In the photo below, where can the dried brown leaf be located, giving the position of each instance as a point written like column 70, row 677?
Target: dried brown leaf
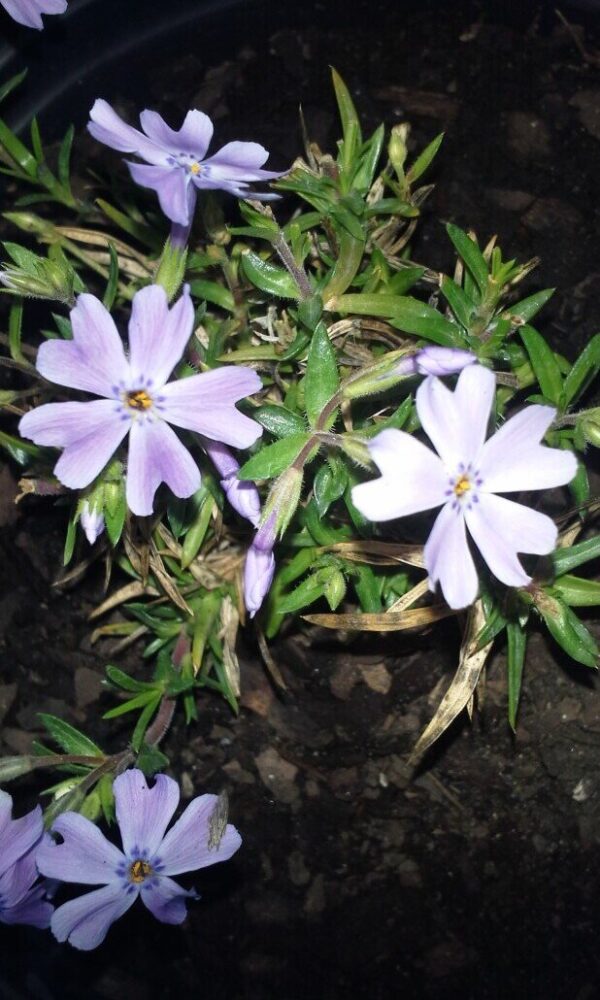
column 386, row 622
column 462, row 686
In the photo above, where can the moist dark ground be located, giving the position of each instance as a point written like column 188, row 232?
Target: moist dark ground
column 479, row 878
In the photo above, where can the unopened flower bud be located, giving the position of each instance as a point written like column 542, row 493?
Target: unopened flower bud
column 241, row 494
column 397, row 148
column 434, row 360
column 92, row 522
column 259, row 567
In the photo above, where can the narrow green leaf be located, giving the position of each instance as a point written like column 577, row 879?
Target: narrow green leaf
column 569, row 632
column 424, row 159
column 322, row 378
column 211, row 291
column 458, row 301
column 17, row 151
column 124, row 681
column 268, row 278
column 565, row 560
column 10, row 85
column 471, row 255
column 36, row 140
column 68, row 738
column 110, row 292
column 405, row 313
column 140, row 701
column 143, row 722
column 517, row 643
column 576, row 591
column 278, row 420
column 369, row 158
column 275, row 458
column 583, row 371
column 543, row 362
column 527, row 308
column 64, row 158
column 15, row 323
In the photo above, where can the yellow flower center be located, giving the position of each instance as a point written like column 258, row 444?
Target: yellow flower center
column 462, row 485
column 138, row 400
column 195, row 168
column 139, row 871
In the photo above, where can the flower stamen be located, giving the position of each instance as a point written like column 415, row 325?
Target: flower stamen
column 462, row 485
column 138, row 399
column 139, row 871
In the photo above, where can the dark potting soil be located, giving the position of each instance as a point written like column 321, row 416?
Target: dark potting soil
column 479, row 878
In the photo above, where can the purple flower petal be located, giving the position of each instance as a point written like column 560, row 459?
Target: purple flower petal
column 28, row 12
column 205, row 403
column 156, row 455
column 143, row 813
column 158, row 335
column 185, row 847
column 17, row 836
column 84, row 922
column 106, row 126
column 474, row 397
column 239, row 161
column 19, row 903
column 84, row 855
column 90, row 433
column 17, row 880
column 514, row 460
column 94, row 360
column 448, row 559
column 176, row 193
column 413, row 478
column 32, row 909
column 193, row 137
column 166, row 900
column 500, row 528
column 437, row 412
column 456, row 422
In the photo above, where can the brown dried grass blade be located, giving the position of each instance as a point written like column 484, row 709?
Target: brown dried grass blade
column 462, row 686
column 126, row 593
column 389, row 621
column 378, row 553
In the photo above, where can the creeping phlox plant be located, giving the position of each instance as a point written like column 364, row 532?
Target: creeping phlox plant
column 250, row 419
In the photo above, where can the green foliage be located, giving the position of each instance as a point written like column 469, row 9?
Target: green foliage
column 326, row 297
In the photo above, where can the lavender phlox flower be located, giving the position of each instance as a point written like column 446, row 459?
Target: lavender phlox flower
column 241, row 494
column 175, row 166
column 92, row 522
column 29, row 12
column 465, row 480
column 137, row 398
column 21, row 902
column 259, row 567
column 434, row 360
column 150, row 856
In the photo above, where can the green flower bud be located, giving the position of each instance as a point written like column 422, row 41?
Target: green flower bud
column 397, row 148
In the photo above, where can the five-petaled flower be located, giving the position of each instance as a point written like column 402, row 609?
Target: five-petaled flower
column 465, row 479
column 175, row 165
column 29, row 12
column 138, row 400
column 143, row 868
column 20, row 901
